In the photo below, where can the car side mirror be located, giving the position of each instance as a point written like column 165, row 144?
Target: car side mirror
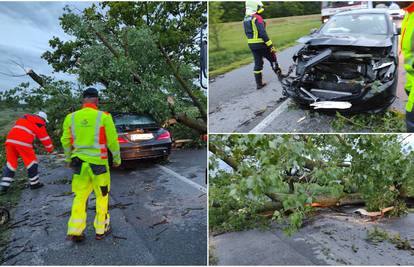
column 314, row 30
column 398, row 31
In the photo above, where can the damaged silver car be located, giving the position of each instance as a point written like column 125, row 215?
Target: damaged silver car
column 350, row 64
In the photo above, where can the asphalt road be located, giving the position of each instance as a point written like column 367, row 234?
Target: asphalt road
column 158, row 214
column 236, row 106
column 333, row 238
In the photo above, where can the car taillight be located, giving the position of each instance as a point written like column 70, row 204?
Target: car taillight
column 164, row 135
column 122, row 140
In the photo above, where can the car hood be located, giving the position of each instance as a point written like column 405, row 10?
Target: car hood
column 347, row 40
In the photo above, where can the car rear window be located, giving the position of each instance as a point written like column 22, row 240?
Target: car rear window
column 369, row 24
column 133, row 120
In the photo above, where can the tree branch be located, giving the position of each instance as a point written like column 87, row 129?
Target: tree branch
column 222, row 155
column 183, row 84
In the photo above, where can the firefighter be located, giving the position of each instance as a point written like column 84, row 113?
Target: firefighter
column 19, row 143
column 407, row 48
column 258, row 41
column 87, row 135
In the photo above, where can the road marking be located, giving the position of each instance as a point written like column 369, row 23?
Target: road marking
column 184, row 179
column 271, row 117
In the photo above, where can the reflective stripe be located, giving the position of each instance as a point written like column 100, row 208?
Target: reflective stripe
column 24, row 129
column 77, row 221
column 33, row 183
column 92, row 154
column 97, row 127
column 31, row 164
column 7, row 184
column 72, row 127
column 34, row 178
column 7, row 179
column 10, row 166
column 269, row 43
column 102, row 223
column 76, row 230
column 255, row 41
column 67, row 150
column 116, row 153
column 254, row 28
column 44, row 138
column 18, row 142
column 98, row 146
column 49, row 146
column 257, row 71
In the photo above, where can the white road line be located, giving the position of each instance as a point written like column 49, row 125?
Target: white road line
column 271, row 117
column 182, row 178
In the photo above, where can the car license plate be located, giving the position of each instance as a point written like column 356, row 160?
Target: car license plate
column 146, row 136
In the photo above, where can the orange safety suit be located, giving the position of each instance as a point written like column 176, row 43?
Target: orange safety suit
column 19, row 143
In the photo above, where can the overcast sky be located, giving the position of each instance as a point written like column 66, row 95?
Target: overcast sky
column 26, row 28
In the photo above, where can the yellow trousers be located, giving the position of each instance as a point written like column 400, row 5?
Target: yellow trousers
column 86, row 178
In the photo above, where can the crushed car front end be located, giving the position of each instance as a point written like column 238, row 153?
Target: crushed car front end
column 350, row 74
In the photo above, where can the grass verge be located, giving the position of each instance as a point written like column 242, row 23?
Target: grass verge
column 392, row 121
column 234, row 51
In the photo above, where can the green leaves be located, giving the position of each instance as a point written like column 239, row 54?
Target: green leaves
column 293, row 170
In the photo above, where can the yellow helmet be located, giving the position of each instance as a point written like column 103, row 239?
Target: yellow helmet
column 254, row 6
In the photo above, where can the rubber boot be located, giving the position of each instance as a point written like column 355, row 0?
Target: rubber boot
column 259, row 81
column 36, row 186
column 102, row 236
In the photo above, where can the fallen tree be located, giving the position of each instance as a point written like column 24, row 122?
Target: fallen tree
column 292, row 174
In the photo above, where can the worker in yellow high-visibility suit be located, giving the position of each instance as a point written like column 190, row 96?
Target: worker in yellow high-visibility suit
column 87, row 135
column 407, row 48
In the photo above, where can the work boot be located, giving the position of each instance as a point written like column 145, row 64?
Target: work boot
column 36, row 186
column 75, row 238
column 102, row 236
column 259, row 81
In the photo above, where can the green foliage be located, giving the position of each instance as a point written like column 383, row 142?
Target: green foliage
column 228, row 213
column 376, row 166
column 133, row 31
column 215, row 11
column 233, row 44
column 114, row 46
column 389, row 122
column 56, row 98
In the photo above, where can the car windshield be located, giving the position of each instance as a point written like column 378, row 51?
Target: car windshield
column 370, row 24
column 133, row 120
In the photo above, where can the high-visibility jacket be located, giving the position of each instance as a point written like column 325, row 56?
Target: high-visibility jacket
column 26, row 129
column 88, row 134
column 255, row 30
column 407, row 48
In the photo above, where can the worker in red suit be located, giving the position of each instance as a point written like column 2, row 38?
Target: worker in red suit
column 19, row 143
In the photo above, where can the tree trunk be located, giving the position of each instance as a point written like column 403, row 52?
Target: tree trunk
column 229, row 160
column 192, row 123
column 100, row 36
column 183, row 84
column 39, row 80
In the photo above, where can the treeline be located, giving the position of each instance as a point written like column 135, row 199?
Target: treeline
column 235, row 11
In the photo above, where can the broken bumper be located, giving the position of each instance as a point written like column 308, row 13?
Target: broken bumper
column 344, row 81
